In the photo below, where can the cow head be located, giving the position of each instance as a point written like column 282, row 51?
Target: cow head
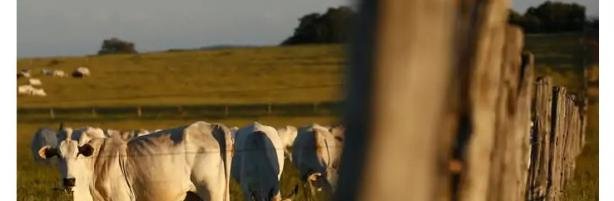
column 73, row 161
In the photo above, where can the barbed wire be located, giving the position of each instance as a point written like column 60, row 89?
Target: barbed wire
column 232, row 151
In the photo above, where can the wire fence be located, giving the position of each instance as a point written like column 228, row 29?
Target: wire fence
column 328, row 108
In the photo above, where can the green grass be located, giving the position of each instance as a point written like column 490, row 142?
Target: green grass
column 282, row 75
column 245, row 75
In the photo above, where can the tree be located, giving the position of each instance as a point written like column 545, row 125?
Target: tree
column 551, row 17
column 331, row 27
column 116, row 46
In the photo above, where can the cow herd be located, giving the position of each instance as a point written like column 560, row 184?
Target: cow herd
column 199, row 158
column 31, row 89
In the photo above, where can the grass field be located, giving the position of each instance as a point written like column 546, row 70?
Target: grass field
column 302, row 74
column 299, row 74
column 243, row 75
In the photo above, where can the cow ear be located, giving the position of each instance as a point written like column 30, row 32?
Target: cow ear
column 47, row 152
column 86, row 150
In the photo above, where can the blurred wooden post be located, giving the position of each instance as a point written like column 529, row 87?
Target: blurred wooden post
column 411, row 78
column 315, row 107
column 226, row 110
column 180, row 111
column 269, row 109
column 51, row 114
column 410, row 110
column 93, row 112
column 139, row 112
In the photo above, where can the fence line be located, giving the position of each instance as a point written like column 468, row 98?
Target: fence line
column 450, row 118
column 175, row 111
column 558, row 137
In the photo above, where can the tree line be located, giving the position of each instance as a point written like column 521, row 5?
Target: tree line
column 333, row 26
column 553, row 17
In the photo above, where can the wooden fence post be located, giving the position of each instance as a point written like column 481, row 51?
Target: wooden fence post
column 226, row 112
column 540, row 150
column 139, row 111
column 180, row 111
column 412, row 73
column 93, row 112
column 51, row 113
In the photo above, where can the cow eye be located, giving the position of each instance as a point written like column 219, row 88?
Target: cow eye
column 86, row 150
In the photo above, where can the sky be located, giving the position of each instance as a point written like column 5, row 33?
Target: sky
column 78, row 27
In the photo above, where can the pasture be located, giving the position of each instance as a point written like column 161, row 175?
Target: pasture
column 297, row 74
column 242, row 75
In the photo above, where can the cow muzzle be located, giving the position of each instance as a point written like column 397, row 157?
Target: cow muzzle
column 68, row 183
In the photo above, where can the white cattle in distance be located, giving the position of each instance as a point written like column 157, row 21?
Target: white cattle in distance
column 58, row 73
column 316, row 154
column 81, row 72
column 47, row 71
column 160, row 166
column 288, row 135
column 24, row 89
column 23, row 73
column 30, row 90
column 258, row 162
column 35, row 82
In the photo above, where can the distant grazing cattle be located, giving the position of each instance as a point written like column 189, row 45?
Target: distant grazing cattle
column 30, row 90
column 47, row 71
column 316, row 153
column 258, row 162
column 58, row 73
column 160, row 166
column 54, row 73
column 35, row 82
column 25, row 73
column 24, row 89
column 81, row 72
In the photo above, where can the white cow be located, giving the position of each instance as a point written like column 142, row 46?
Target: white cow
column 258, row 162
column 46, row 71
column 30, row 90
column 288, row 135
column 23, row 73
column 35, row 82
column 58, row 73
column 24, row 89
column 316, row 154
column 159, row 166
column 81, row 72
